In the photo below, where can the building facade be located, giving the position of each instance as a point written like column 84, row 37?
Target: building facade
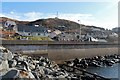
column 25, row 30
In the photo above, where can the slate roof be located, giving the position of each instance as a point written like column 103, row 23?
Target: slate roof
column 26, row 28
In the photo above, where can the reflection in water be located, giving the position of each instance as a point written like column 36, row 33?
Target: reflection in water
column 108, row 72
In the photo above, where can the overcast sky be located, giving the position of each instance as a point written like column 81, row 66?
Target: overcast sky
column 100, row 14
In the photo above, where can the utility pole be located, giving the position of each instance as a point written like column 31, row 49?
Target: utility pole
column 57, row 14
column 79, row 28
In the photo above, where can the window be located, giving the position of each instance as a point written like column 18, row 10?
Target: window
column 29, row 34
column 38, row 33
column 63, row 36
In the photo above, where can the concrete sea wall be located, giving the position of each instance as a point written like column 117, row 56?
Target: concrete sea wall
column 60, row 51
column 66, row 54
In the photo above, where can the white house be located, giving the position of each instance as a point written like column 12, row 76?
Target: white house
column 10, row 26
column 26, row 30
column 68, row 36
column 54, row 33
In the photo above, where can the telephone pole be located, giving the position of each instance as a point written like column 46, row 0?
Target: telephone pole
column 57, row 14
column 79, row 28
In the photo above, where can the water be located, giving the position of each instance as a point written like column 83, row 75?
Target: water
column 108, row 72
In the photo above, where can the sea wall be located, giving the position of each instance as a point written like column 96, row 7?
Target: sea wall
column 59, row 51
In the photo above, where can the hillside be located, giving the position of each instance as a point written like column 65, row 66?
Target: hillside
column 66, row 26
column 52, row 23
column 55, row 22
column 4, row 19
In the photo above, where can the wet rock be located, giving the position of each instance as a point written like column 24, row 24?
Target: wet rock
column 12, row 74
column 97, row 61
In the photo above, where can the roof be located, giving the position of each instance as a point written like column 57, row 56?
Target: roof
column 26, row 28
column 7, row 32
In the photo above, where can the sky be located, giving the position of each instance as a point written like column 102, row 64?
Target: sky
column 100, row 14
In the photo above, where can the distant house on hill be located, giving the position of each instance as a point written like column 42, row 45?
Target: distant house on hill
column 26, row 30
column 1, row 25
column 10, row 26
column 54, row 33
column 5, row 34
column 61, row 28
column 7, row 29
column 116, row 30
column 69, row 36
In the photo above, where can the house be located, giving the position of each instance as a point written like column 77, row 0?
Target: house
column 61, row 28
column 10, row 26
column 26, row 30
column 5, row 32
column 65, row 37
column 54, row 33
column 90, row 38
column 1, row 27
column 116, row 29
column 68, row 36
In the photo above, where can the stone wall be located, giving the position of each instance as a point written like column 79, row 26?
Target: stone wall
column 59, row 51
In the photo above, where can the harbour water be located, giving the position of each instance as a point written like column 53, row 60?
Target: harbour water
column 108, row 72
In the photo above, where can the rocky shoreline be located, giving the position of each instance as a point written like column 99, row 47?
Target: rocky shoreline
column 97, row 61
column 41, row 68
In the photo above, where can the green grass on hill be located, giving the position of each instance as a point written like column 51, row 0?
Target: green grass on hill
column 40, row 38
column 35, row 38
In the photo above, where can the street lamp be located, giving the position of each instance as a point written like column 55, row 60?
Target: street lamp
column 79, row 28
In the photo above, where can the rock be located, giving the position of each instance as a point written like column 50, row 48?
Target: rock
column 5, row 55
column 11, row 74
